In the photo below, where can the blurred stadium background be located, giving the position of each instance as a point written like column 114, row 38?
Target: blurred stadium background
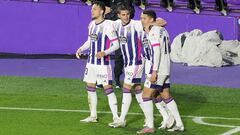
column 41, row 91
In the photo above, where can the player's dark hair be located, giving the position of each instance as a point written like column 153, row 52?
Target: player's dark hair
column 122, row 7
column 100, row 4
column 150, row 13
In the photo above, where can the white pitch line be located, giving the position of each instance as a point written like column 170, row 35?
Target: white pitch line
column 103, row 112
column 233, row 131
column 199, row 120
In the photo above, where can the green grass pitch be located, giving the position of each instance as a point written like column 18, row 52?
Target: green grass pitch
column 69, row 97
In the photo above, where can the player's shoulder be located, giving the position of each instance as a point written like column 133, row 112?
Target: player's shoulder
column 91, row 23
column 159, row 29
column 108, row 23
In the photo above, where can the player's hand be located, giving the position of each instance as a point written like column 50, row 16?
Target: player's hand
column 100, row 55
column 153, row 77
column 78, row 53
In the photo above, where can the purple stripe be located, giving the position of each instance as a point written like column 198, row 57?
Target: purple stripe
column 123, row 47
column 166, row 85
column 168, row 100
column 147, row 99
column 93, row 46
column 108, row 91
column 106, row 58
column 138, row 91
column 129, row 45
column 125, row 90
column 92, row 89
column 99, row 46
column 93, row 52
column 137, row 47
column 110, row 82
column 158, row 100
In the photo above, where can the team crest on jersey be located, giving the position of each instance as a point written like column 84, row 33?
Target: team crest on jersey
column 93, row 37
column 122, row 39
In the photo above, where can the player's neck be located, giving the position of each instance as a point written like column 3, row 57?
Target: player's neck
column 99, row 20
column 147, row 28
column 125, row 23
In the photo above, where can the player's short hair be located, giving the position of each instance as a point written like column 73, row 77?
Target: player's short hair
column 122, row 7
column 150, row 13
column 100, row 4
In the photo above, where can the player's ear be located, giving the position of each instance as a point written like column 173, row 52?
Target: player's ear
column 118, row 15
column 102, row 12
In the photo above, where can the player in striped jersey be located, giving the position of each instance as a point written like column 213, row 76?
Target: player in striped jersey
column 133, row 63
column 157, row 70
column 131, row 48
column 101, row 38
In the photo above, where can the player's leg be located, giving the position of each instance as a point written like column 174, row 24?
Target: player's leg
column 112, row 100
column 168, row 119
column 138, row 95
column 172, row 106
column 161, row 106
column 132, row 77
column 138, row 88
column 104, row 77
column 126, row 102
column 148, row 111
column 118, row 68
column 90, row 79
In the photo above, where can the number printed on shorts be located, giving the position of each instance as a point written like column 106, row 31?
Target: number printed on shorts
column 86, row 71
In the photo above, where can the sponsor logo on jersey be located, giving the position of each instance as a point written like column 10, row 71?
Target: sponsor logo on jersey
column 101, row 76
column 122, row 39
column 129, row 73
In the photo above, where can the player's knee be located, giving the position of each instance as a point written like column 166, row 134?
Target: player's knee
column 165, row 95
column 138, row 87
column 147, row 93
column 91, row 85
column 155, row 94
column 127, row 86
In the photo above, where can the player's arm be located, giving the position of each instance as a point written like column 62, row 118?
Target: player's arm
column 84, row 47
column 156, row 54
column 114, row 43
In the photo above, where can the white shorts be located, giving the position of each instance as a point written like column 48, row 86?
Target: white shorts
column 163, row 81
column 100, row 74
column 133, row 74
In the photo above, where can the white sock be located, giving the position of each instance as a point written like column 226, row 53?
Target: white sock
column 126, row 102
column 112, row 101
column 139, row 98
column 92, row 101
column 172, row 106
column 161, row 106
column 148, row 112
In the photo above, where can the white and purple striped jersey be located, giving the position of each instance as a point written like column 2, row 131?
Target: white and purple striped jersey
column 129, row 41
column 157, row 49
column 100, row 37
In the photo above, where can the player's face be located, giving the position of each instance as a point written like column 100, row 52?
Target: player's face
column 96, row 12
column 146, row 20
column 124, row 16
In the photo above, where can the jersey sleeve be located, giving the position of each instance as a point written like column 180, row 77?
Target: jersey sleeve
column 113, row 43
column 154, row 38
